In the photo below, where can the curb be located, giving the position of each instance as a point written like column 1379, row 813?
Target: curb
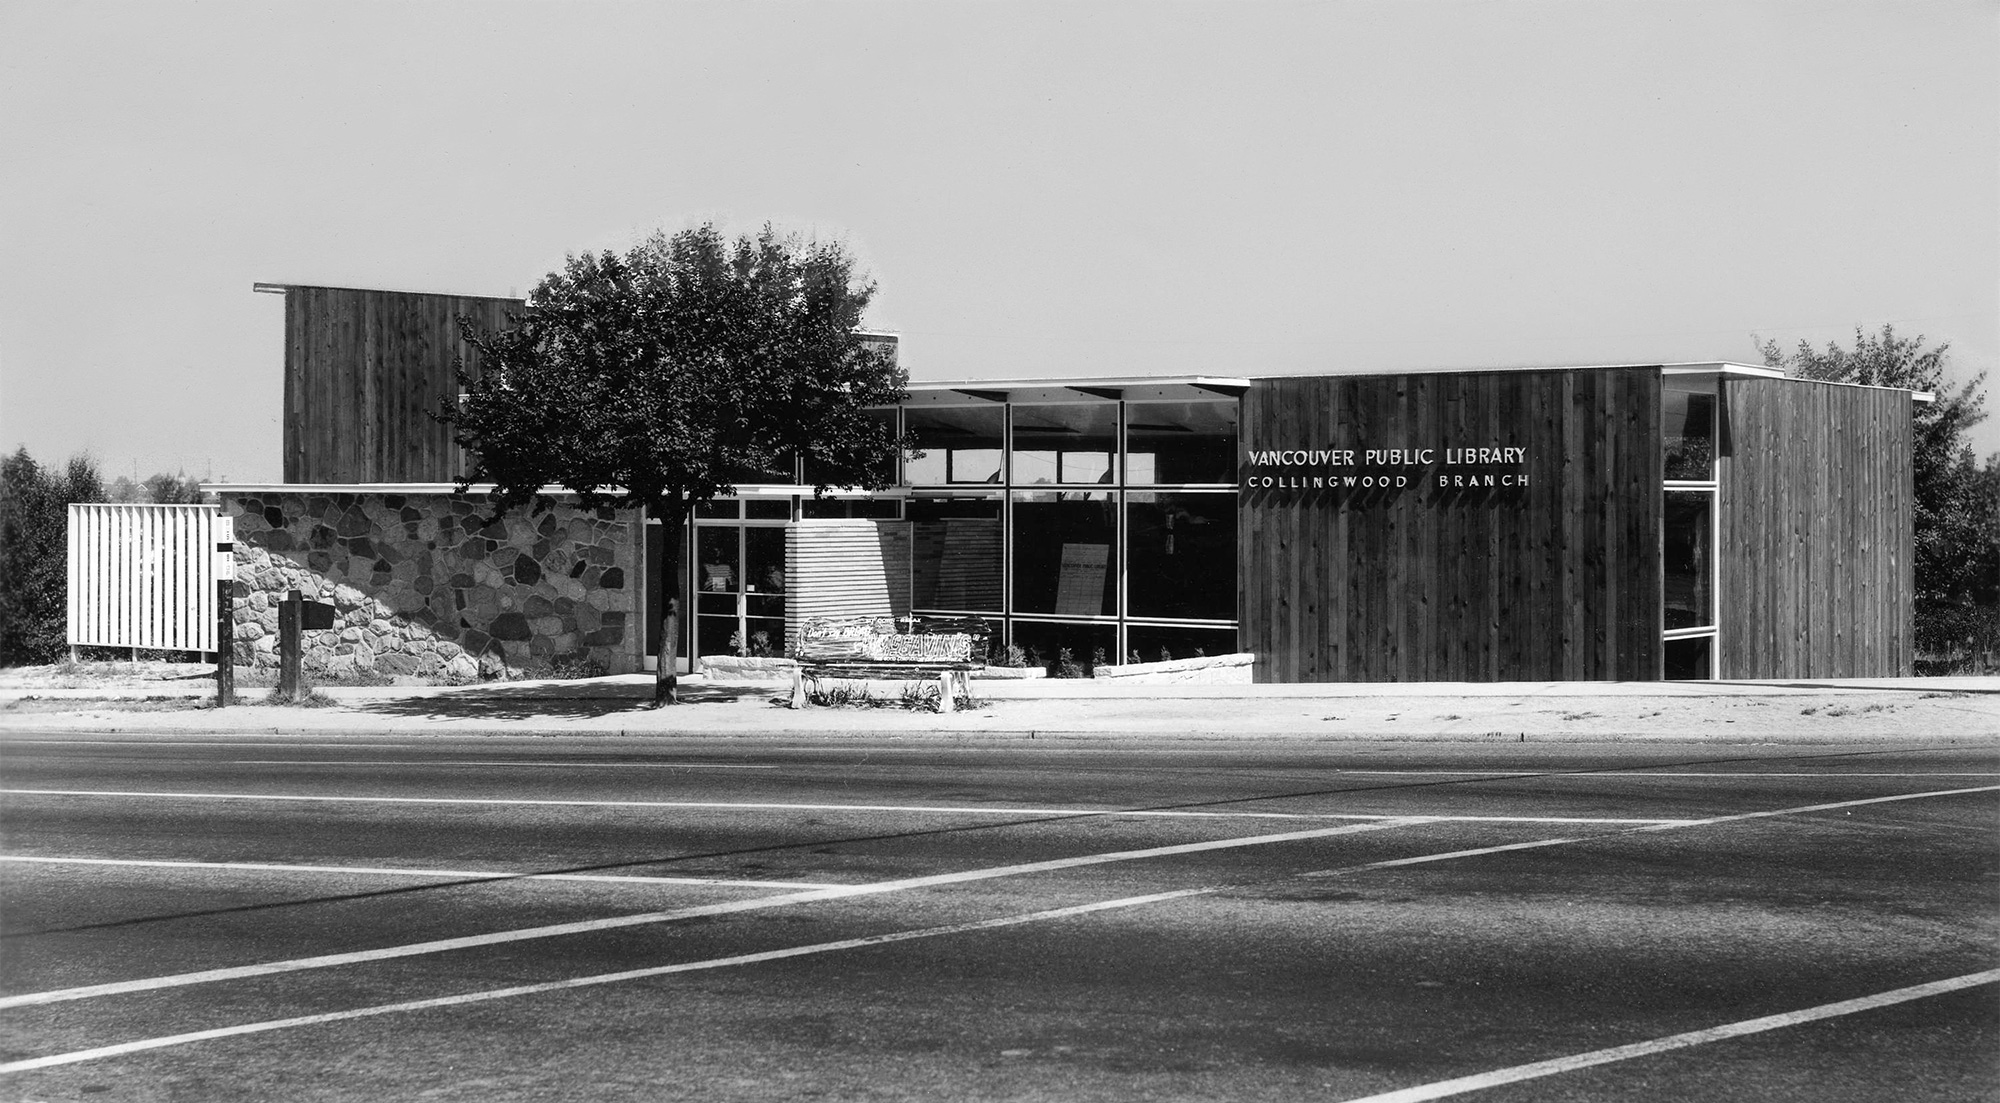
column 1008, row 735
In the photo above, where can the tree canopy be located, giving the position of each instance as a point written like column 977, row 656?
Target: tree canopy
column 1957, row 503
column 658, row 378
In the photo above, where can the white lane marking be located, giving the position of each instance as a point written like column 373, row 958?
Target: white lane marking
column 553, row 762
column 588, row 981
column 394, row 871
column 764, row 806
column 435, row 946
column 1539, row 1069
column 4, row 741
column 1735, row 817
column 1641, row 773
column 1407, row 1095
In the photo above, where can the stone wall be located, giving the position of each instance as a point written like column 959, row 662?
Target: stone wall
column 424, row 589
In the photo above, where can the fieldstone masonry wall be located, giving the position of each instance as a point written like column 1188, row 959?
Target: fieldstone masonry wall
column 423, row 588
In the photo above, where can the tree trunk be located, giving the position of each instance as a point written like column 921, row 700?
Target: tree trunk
column 664, row 692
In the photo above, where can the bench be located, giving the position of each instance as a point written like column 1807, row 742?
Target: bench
column 944, row 650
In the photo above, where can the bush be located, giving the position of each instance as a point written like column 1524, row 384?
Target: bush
column 34, row 553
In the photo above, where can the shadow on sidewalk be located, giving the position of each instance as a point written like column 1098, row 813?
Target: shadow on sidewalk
column 557, row 702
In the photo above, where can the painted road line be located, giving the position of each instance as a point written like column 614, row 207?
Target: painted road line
column 556, row 930
column 553, row 763
column 1407, row 1095
column 589, row 981
column 446, row 874
column 1459, row 1086
column 1641, row 772
column 767, row 806
column 1536, row 844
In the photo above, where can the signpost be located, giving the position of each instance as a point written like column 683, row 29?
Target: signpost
column 225, row 626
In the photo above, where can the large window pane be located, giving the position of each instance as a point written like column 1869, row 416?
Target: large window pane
column 1691, row 657
column 1065, row 554
column 1180, row 442
column 955, row 553
column 1687, row 432
column 1689, row 545
column 1180, row 555
column 1072, row 443
column 1066, row 650
column 958, row 444
column 823, row 508
column 1147, row 643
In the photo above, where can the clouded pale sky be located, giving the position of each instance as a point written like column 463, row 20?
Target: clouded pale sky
column 1040, row 189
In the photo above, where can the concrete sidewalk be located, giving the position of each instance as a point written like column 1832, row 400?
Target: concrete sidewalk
column 1957, row 710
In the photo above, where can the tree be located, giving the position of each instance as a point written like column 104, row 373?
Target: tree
column 655, row 379
column 1956, row 507
column 34, row 555
column 160, row 489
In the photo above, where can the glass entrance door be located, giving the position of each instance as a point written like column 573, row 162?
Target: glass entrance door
column 739, row 579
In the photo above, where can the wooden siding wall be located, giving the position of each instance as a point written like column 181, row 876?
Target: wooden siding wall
column 1815, row 530
column 142, row 576
column 846, row 568
column 1559, row 580
column 363, row 371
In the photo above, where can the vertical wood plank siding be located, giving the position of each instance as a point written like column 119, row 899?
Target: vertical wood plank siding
column 846, row 568
column 142, row 576
column 363, row 370
column 1815, row 530
column 1558, row 580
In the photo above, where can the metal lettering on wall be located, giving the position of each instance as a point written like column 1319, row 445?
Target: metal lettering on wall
column 1442, row 473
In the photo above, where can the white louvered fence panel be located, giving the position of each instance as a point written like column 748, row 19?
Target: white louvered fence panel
column 142, row 576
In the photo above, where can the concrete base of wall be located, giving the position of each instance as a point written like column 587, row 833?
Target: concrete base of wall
column 735, row 668
column 1211, row 670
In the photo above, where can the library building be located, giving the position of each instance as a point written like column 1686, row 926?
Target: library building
column 1624, row 522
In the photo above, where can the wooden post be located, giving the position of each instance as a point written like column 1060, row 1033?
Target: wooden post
column 289, row 657
column 225, row 644
column 225, row 623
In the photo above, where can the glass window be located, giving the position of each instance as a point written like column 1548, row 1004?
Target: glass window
column 726, row 509
column 1687, row 432
column 1180, row 555
column 1065, row 554
column 1688, row 542
column 955, row 554
column 1147, row 643
column 1070, row 444
column 816, row 472
column 768, row 509
column 956, row 444
column 822, row 508
column 1690, row 657
column 1180, row 442
column 1066, row 650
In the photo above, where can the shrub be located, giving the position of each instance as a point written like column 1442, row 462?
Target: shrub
column 34, row 550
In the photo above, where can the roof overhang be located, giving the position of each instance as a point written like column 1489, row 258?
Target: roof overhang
column 1096, row 388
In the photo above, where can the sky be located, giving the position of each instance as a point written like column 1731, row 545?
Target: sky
column 1083, row 188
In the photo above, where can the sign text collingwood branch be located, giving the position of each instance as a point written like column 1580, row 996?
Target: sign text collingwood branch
column 1443, row 468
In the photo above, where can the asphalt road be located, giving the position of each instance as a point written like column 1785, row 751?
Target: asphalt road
column 211, row 918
